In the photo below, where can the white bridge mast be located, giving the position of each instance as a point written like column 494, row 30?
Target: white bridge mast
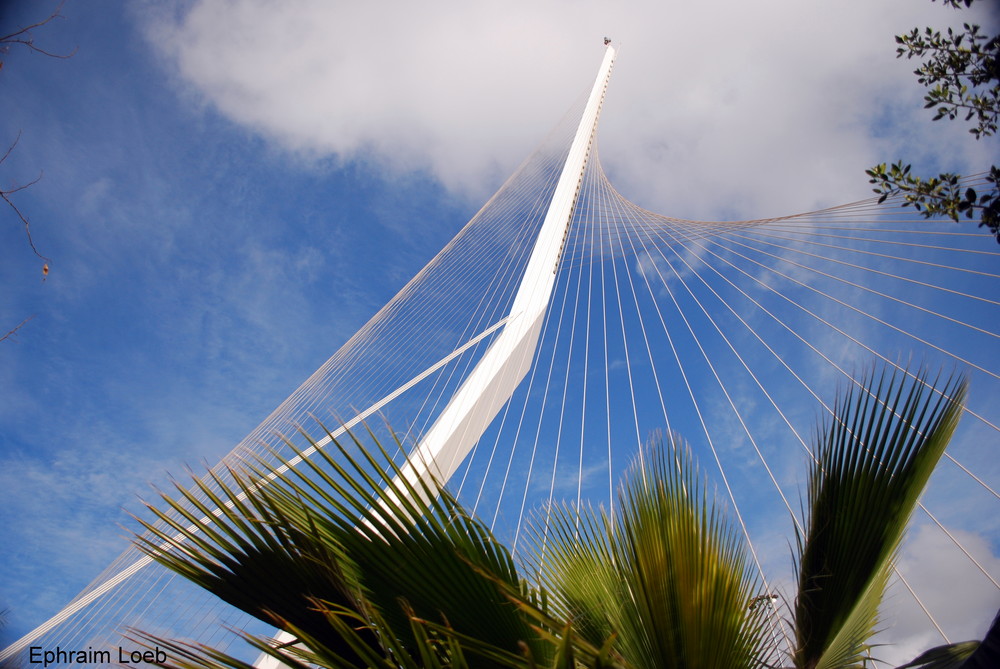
column 506, row 362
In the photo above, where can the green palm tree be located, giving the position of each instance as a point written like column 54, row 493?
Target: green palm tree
column 368, row 572
column 668, row 574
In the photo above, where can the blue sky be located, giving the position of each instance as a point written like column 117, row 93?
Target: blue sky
column 223, row 182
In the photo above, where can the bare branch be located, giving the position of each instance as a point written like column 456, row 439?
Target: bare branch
column 4, row 194
column 15, row 189
column 11, row 147
column 24, row 37
column 14, row 331
column 27, row 226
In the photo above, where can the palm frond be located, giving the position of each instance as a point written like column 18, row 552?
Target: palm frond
column 339, row 528
column 576, row 562
column 872, row 461
column 416, row 543
column 183, row 655
column 249, row 553
column 949, row 656
column 668, row 575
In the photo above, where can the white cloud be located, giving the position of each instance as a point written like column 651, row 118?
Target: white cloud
column 748, row 107
column 953, row 589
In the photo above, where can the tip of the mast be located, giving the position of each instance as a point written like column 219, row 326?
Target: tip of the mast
column 607, row 41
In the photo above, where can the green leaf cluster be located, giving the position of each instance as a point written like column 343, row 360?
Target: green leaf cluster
column 944, row 195
column 961, row 71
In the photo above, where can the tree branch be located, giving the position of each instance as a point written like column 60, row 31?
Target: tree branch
column 4, row 194
column 24, row 37
column 18, row 327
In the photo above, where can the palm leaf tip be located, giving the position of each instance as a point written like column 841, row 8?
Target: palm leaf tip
column 949, row 656
column 871, row 463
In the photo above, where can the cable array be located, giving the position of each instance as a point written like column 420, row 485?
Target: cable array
column 735, row 335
